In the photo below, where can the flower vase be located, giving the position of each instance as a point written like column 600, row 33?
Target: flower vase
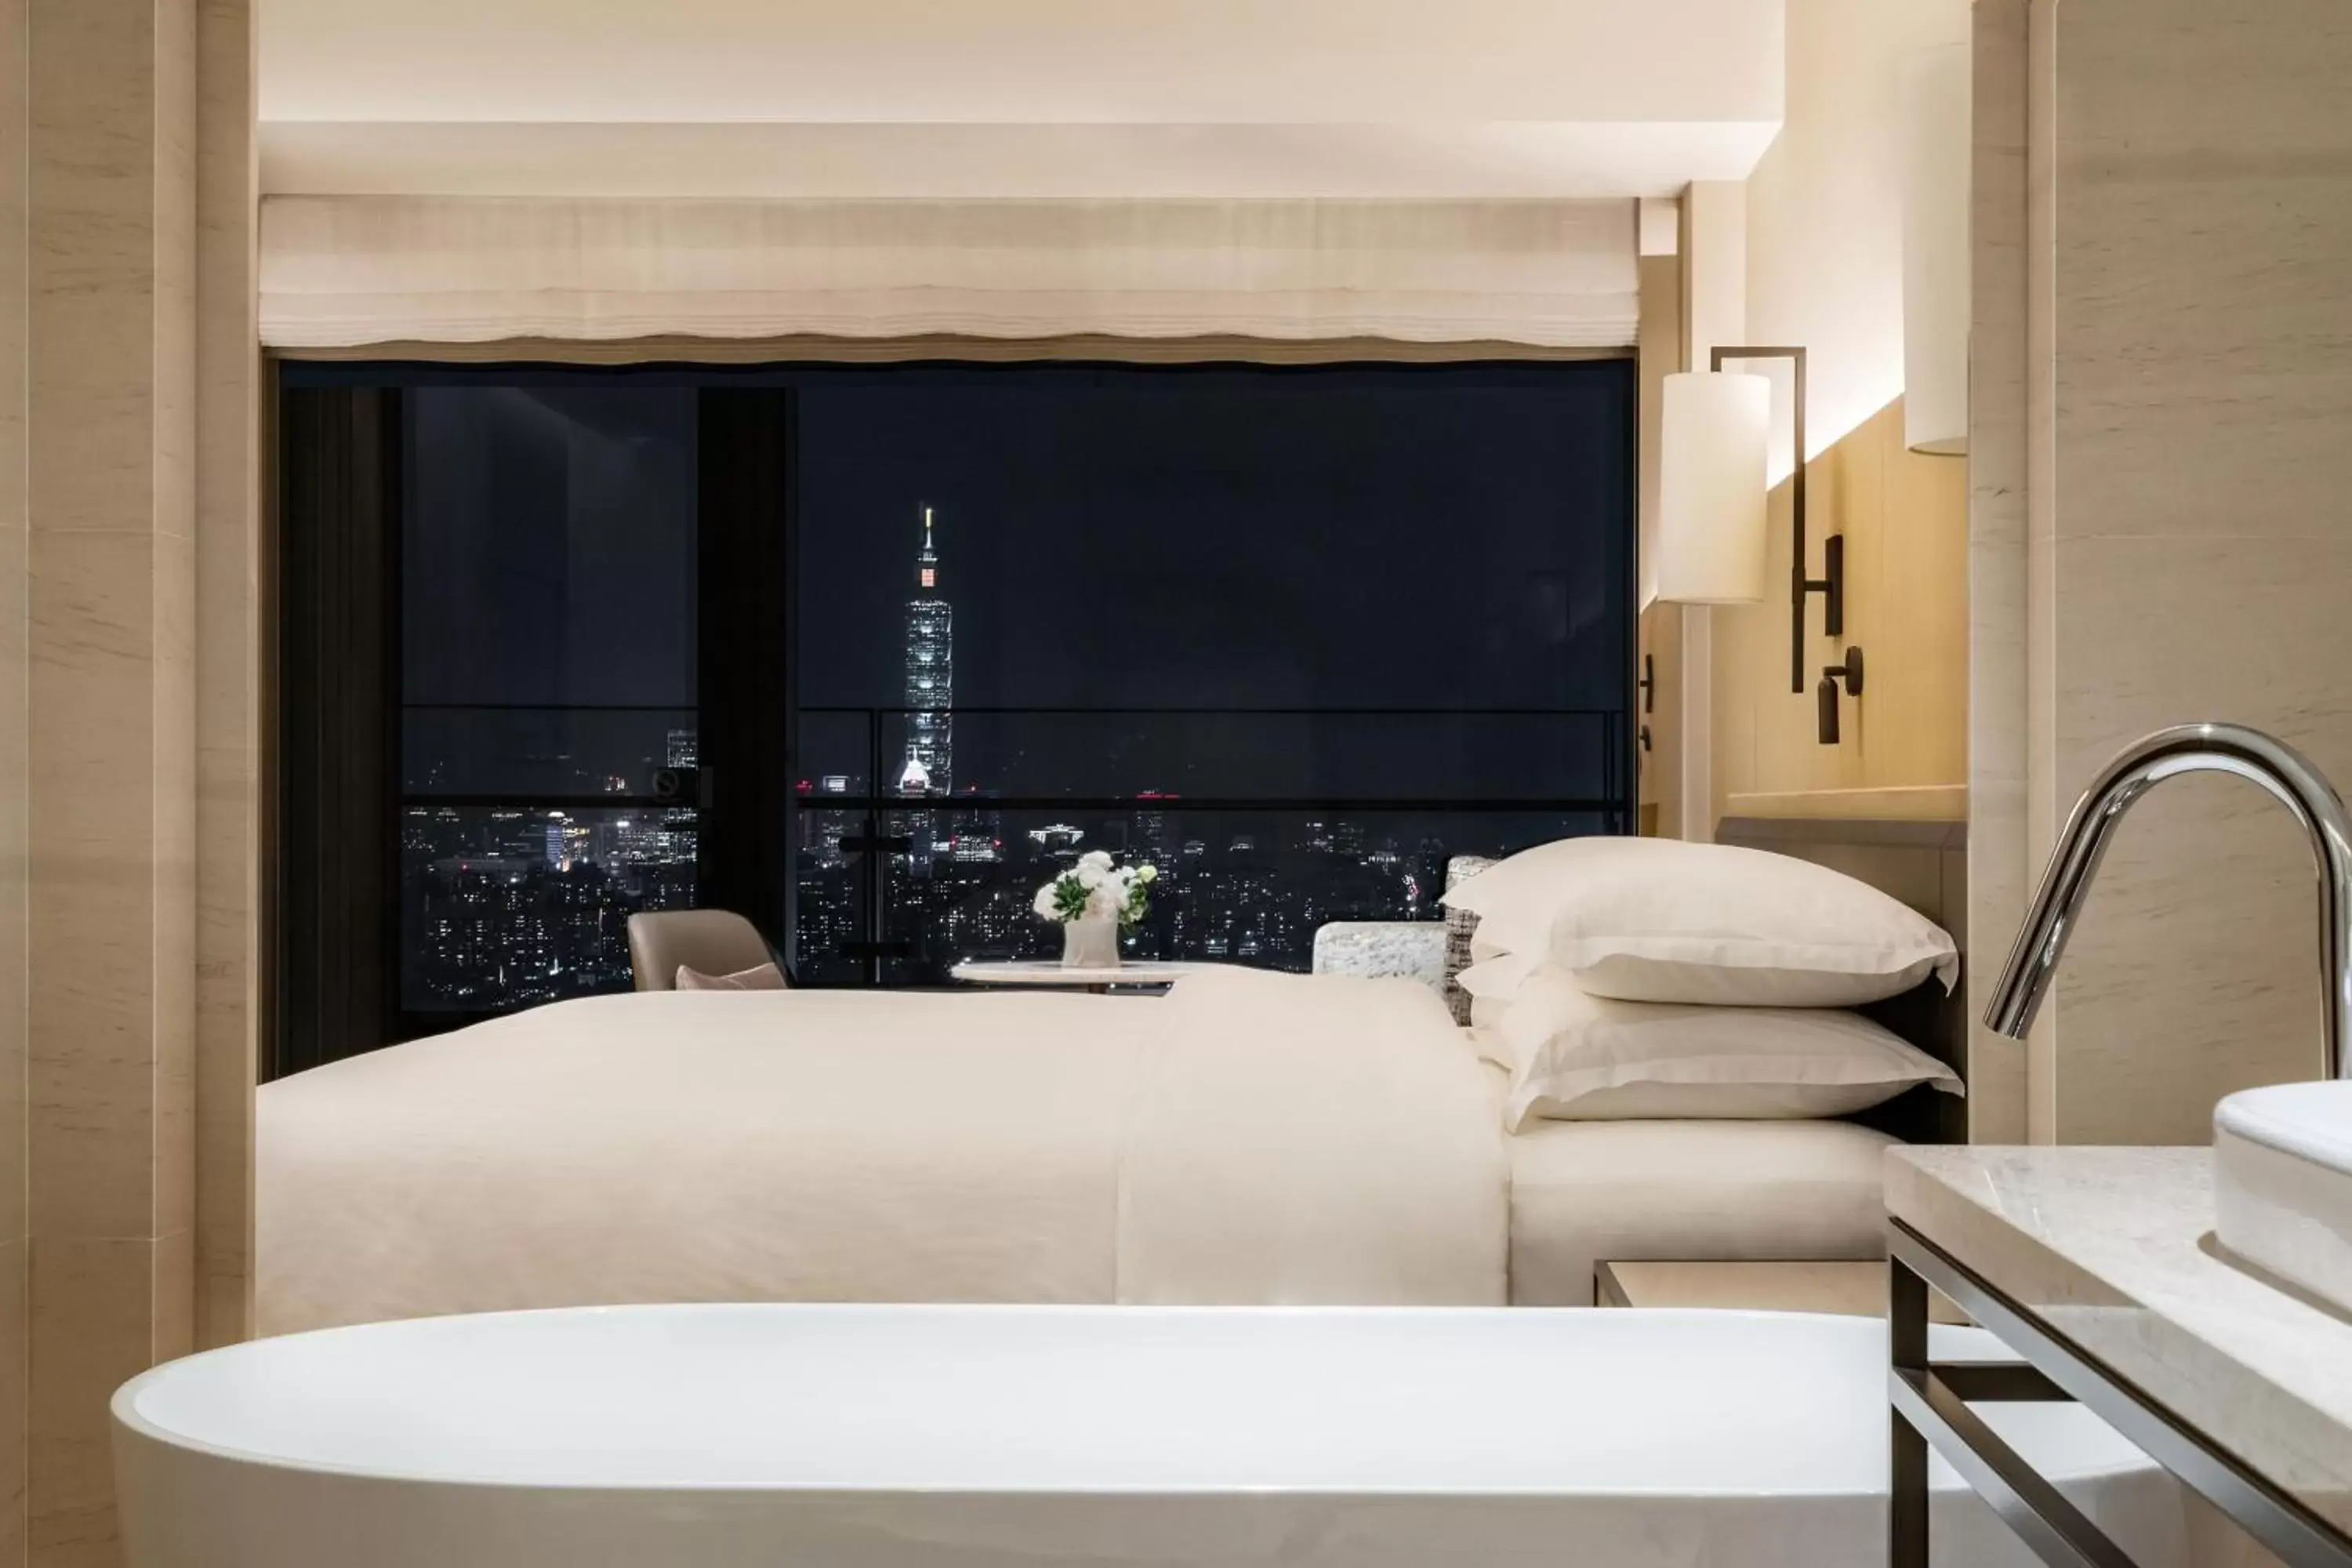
column 1091, row 944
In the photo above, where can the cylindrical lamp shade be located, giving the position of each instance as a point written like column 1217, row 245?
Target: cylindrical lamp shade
column 1711, row 487
column 1934, row 103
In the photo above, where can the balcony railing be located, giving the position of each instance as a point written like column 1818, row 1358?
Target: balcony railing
column 1265, row 822
column 528, row 834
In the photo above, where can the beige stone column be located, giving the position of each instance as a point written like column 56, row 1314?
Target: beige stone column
column 13, row 542
column 1715, row 313
column 228, row 704
column 2160, row 396
column 1661, row 622
column 112, row 727
column 2001, row 866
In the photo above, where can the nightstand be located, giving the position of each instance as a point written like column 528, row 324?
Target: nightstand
column 1051, row 975
column 1850, row 1287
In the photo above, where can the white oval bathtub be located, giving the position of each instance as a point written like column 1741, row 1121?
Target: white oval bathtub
column 854, row 1435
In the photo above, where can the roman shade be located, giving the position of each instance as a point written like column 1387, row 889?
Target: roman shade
column 349, row 271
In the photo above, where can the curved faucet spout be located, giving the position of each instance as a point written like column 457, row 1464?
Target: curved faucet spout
column 2250, row 755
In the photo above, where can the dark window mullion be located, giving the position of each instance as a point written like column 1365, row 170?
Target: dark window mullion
column 743, row 505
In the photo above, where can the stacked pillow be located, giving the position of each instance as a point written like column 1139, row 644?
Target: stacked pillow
column 1618, row 978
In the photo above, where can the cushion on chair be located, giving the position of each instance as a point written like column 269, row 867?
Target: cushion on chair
column 758, row 977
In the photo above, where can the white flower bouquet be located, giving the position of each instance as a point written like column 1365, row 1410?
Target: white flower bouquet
column 1090, row 902
column 1095, row 889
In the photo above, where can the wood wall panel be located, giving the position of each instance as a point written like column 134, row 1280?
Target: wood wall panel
column 14, row 549
column 227, row 712
column 1904, row 519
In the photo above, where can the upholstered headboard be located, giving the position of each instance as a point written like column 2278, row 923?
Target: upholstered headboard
column 1926, row 865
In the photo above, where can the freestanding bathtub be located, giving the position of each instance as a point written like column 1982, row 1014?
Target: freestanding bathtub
column 859, row 1436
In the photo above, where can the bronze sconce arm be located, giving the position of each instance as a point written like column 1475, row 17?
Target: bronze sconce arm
column 1831, row 585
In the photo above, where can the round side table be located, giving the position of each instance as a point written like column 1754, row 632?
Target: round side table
column 1048, row 973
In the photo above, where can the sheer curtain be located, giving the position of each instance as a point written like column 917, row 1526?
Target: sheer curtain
column 348, row 272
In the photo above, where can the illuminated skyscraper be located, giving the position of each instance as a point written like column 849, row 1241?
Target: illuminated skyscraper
column 931, row 681
column 676, row 842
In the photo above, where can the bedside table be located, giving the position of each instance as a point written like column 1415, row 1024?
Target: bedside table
column 1849, row 1288
column 1048, row 973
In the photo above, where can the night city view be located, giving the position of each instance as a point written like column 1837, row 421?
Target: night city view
column 521, row 906
column 509, row 906
column 1303, row 663
column 1236, row 886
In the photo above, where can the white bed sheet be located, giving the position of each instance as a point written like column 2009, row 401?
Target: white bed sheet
column 1330, row 1142
column 697, row 1146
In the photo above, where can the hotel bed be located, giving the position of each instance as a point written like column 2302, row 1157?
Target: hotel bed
column 832, row 1146
column 825, row 1147
column 1258, row 1139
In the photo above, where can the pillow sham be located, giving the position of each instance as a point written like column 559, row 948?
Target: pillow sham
column 1498, row 979
column 758, row 977
column 1574, row 1057
column 1657, row 919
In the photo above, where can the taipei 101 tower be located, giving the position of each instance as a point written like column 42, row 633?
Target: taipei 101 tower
column 930, row 679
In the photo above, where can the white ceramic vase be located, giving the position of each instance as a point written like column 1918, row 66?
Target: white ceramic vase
column 1091, row 944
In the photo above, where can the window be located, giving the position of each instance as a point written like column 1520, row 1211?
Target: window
column 1295, row 636
column 547, row 660
column 869, row 653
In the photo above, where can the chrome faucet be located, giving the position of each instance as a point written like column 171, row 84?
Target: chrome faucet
column 2248, row 754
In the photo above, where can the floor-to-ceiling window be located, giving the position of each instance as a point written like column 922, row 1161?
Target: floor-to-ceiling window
column 547, row 686
column 1295, row 636
column 870, row 652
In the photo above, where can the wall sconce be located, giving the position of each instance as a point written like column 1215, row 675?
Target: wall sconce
column 1933, row 97
column 1711, row 499
column 1825, row 695
column 1711, row 487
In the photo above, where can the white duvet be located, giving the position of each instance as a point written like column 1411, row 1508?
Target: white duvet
column 1248, row 1138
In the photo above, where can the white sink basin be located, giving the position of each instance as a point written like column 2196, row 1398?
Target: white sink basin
column 2283, row 1184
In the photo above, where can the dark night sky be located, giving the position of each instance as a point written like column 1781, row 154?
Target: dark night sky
column 1357, row 538
column 548, row 553
column 1343, row 538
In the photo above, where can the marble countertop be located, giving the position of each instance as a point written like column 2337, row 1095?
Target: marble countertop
column 2113, row 1250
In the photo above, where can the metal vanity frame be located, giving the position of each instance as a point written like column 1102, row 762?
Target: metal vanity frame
column 1931, row 1402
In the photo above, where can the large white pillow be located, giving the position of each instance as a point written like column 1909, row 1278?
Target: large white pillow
column 1574, row 1057
column 1657, row 919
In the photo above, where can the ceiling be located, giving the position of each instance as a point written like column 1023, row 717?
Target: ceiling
column 1016, row 98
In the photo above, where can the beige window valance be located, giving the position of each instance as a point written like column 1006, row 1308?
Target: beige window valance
column 346, row 271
